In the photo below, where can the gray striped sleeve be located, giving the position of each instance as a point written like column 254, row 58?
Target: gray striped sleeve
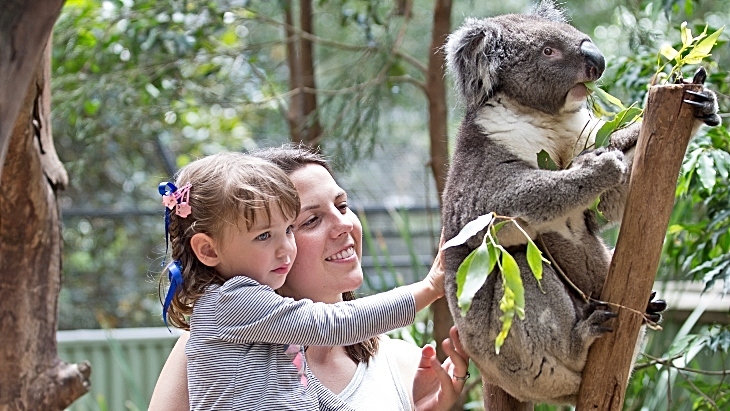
column 247, row 311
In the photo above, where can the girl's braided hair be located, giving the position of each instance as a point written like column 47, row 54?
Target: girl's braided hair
column 227, row 189
column 291, row 158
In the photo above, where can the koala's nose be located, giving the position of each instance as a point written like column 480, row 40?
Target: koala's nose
column 595, row 62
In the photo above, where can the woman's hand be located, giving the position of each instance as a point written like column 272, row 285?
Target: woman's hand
column 436, row 387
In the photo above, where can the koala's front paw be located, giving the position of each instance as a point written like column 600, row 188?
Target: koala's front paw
column 607, row 165
column 704, row 103
column 654, row 308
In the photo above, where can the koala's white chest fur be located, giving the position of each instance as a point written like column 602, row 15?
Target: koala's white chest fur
column 525, row 132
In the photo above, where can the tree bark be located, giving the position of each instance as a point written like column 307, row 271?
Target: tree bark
column 665, row 133
column 439, row 139
column 304, row 126
column 31, row 375
column 296, row 98
column 24, row 28
column 496, row 399
column 311, row 128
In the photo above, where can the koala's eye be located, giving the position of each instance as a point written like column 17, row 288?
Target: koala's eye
column 547, row 51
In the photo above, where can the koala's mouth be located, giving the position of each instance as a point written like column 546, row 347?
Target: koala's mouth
column 579, row 92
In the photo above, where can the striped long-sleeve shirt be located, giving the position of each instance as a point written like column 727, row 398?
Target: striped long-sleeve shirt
column 238, row 337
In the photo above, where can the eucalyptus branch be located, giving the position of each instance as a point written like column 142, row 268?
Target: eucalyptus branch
column 349, row 47
column 408, row 79
column 670, row 363
column 417, row 64
column 699, row 391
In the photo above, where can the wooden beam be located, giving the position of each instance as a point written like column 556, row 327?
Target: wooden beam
column 496, row 399
column 25, row 25
column 663, row 140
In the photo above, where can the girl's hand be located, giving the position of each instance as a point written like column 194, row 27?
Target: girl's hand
column 436, row 274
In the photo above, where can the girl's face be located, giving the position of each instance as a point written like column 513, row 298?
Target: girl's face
column 264, row 252
column 329, row 240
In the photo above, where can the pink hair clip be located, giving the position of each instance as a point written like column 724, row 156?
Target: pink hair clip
column 178, row 198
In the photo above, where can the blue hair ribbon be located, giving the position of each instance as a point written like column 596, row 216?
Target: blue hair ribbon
column 174, row 270
column 167, row 189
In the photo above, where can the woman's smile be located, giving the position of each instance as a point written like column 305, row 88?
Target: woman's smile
column 342, row 255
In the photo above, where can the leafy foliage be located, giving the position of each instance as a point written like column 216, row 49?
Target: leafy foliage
column 480, row 263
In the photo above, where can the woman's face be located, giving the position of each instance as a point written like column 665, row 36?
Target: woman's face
column 329, row 240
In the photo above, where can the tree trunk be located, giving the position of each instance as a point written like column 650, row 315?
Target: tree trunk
column 665, row 133
column 310, row 120
column 24, row 28
column 296, row 97
column 31, row 375
column 304, row 126
column 496, row 399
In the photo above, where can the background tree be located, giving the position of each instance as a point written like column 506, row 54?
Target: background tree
column 31, row 375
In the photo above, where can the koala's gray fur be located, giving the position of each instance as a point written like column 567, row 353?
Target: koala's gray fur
column 521, row 79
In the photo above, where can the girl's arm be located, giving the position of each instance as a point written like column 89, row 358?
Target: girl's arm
column 246, row 312
column 249, row 312
column 171, row 390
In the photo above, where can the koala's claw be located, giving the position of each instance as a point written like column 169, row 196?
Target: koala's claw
column 705, row 106
column 654, row 308
column 595, row 314
column 700, row 76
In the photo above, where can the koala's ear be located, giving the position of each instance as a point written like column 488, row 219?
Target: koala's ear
column 547, row 9
column 473, row 60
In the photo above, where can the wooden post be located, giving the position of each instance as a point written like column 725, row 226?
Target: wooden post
column 665, row 133
column 496, row 399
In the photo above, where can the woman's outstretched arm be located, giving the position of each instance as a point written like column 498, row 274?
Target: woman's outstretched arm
column 171, row 390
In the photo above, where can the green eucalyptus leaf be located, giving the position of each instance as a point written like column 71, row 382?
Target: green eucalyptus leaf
column 622, row 119
column 513, row 281
column 604, row 96
column 544, row 162
column 702, row 49
column 498, row 226
column 706, row 171
column 534, row 260
column 669, row 52
column 722, row 162
column 471, row 275
column 506, row 304
column 686, row 35
column 706, row 45
column 470, row 230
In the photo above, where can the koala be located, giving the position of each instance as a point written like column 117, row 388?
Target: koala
column 521, row 78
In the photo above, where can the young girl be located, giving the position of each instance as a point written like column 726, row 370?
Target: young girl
column 229, row 222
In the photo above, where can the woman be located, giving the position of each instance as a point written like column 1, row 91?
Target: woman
column 380, row 374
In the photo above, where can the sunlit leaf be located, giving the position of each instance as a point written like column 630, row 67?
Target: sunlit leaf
column 513, row 282
column 604, row 96
column 470, row 230
column 668, row 51
column 702, row 50
column 686, row 35
column 706, row 45
column 507, row 306
column 534, row 260
column 471, row 275
column 706, row 172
